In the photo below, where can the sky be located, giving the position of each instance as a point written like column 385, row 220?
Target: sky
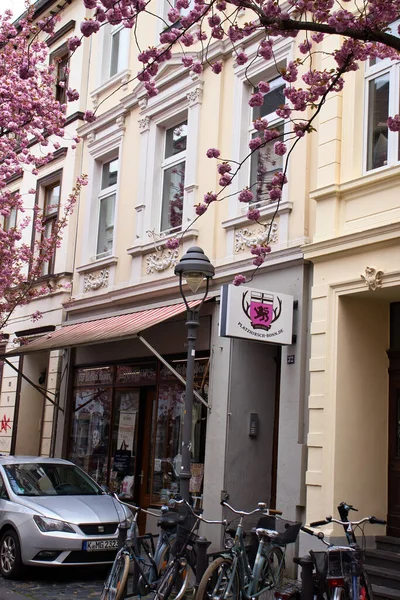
column 17, row 6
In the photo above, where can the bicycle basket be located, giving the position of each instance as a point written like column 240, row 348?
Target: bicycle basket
column 184, row 531
column 288, row 530
column 336, row 563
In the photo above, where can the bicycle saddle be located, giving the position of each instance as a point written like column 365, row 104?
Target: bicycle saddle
column 266, row 532
column 170, row 520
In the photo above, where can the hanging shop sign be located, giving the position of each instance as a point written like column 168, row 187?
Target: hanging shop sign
column 254, row 314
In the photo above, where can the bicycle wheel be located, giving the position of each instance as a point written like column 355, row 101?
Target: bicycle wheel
column 365, row 586
column 272, row 573
column 114, row 586
column 214, row 584
column 168, row 580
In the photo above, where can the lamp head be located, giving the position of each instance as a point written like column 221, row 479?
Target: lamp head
column 194, row 266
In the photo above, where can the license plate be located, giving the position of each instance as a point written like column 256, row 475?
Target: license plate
column 93, row 545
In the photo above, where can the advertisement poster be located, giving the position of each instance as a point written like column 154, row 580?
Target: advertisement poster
column 126, row 430
column 197, row 470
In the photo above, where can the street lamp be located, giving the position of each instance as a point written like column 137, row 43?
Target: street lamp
column 194, row 266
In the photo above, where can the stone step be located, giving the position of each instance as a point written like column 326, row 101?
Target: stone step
column 384, row 593
column 383, row 558
column 388, row 543
column 383, row 577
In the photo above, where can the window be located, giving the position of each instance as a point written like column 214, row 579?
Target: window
column 50, row 216
column 3, row 490
column 115, row 51
column 264, row 162
column 60, row 59
column 10, row 222
column 107, row 196
column 382, row 100
column 173, row 175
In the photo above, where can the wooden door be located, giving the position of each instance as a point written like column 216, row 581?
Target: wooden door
column 394, row 446
column 142, row 487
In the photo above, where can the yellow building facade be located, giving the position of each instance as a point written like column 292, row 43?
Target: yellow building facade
column 354, row 409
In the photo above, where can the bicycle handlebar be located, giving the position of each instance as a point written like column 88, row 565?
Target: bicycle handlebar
column 351, row 524
column 261, row 508
column 200, row 517
column 135, row 508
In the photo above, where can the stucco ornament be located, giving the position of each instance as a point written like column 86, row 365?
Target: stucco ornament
column 372, row 278
column 246, row 238
column 161, row 260
column 94, row 281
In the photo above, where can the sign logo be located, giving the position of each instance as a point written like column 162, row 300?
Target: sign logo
column 100, row 529
column 256, row 314
column 260, row 310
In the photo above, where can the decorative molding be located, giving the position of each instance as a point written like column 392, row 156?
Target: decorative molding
column 121, row 78
column 120, row 121
column 245, row 238
column 143, row 102
column 98, row 263
column 372, row 278
column 94, row 281
column 142, row 247
column 161, row 261
column 265, row 211
column 91, row 138
column 195, row 96
column 144, row 124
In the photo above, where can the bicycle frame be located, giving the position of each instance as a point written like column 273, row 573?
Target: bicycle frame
column 248, row 577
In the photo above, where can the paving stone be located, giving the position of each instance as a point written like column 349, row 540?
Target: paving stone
column 52, row 584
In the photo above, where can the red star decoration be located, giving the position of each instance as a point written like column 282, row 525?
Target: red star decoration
column 5, row 423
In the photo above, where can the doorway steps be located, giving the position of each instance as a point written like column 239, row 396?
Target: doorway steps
column 383, row 568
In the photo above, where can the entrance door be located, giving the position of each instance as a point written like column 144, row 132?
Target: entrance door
column 394, row 445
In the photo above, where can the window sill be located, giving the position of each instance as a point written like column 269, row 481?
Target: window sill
column 141, row 248
column 265, row 212
column 120, row 78
column 107, row 261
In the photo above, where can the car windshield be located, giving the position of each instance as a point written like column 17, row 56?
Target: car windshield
column 41, row 479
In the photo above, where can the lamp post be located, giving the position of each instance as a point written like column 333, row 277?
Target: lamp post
column 194, row 266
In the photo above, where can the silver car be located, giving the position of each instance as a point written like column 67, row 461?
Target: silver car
column 52, row 513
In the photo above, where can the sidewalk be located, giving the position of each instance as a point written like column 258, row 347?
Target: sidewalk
column 51, row 584
column 9, row 595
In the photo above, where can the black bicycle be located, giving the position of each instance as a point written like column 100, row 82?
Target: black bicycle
column 340, row 569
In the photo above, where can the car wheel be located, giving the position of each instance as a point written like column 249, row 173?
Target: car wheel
column 10, row 555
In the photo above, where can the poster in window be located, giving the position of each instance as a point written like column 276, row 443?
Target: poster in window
column 197, row 471
column 126, row 430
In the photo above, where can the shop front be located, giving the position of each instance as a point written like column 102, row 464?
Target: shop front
column 126, row 426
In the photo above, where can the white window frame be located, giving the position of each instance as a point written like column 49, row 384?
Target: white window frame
column 123, row 51
column 166, row 164
column 259, row 70
column 273, row 122
column 103, row 194
column 383, row 67
column 179, row 100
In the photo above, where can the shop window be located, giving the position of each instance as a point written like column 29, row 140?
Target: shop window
column 264, row 162
column 173, row 175
column 128, row 439
column 106, row 208
column 382, row 100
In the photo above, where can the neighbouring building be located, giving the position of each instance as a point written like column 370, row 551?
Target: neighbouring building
column 120, row 407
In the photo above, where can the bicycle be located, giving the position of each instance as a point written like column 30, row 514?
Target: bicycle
column 341, row 567
column 232, row 576
column 163, row 580
column 147, row 572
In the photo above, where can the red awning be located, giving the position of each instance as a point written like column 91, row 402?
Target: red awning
column 102, row 330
